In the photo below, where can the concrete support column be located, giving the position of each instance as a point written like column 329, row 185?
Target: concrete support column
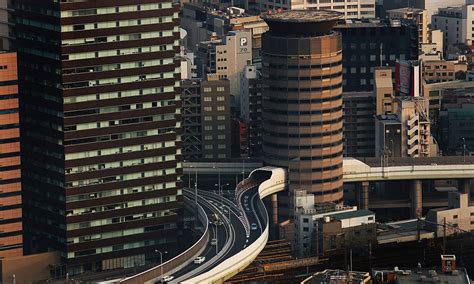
column 275, row 215
column 364, row 195
column 416, row 192
column 464, row 185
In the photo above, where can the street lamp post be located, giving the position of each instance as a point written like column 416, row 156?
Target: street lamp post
column 218, row 175
column 217, row 240
column 464, row 149
column 392, row 149
column 221, row 193
column 161, row 263
column 189, row 179
column 243, row 168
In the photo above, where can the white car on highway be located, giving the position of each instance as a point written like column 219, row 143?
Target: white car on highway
column 253, row 227
column 168, row 278
column 199, row 259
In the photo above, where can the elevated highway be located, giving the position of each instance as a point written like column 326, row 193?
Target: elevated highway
column 415, row 170
column 250, row 241
column 241, row 237
column 374, row 169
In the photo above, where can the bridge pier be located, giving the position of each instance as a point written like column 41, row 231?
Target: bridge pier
column 416, row 192
column 364, row 195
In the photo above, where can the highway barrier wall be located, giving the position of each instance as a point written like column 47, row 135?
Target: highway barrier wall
column 175, row 263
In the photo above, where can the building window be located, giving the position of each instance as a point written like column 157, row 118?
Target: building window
column 208, row 108
column 207, row 99
column 221, row 127
column 221, row 108
column 220, row 98
column 220, row 89
column 207, row 90
column 455, row 216
column 305, row 220
column 207, row 118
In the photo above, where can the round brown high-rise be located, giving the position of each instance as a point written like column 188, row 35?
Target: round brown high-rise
column 302, row 103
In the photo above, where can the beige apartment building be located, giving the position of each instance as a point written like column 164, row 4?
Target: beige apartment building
column 437, row 71
column 351, row 9
column 383, row 89
column 406, row 132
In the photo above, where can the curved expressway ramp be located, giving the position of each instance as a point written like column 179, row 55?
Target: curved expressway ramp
column 261, row 182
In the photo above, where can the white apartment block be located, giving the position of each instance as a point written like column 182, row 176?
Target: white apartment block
column 307, row 215
column 456, row 23
column 352, row 9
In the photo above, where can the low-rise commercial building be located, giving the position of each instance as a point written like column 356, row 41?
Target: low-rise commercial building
column 324, row 228
column 458, row 216
column 338, row 276
column 336, row 232
column 435, row 71
column 447, row 272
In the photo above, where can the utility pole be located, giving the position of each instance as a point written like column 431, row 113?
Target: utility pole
column 196, row 197
column 381, row 54
column 317, row 238
column 464, row 149
column 350, row 258
column 243, row 168
column 418, row 234
column 217, row 243
column 444, row 235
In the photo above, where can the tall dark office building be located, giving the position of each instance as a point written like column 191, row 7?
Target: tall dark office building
column 372, row 43
column 100, row 113
column 302, row 103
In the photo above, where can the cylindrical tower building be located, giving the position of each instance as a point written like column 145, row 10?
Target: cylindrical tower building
column 302, row 103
